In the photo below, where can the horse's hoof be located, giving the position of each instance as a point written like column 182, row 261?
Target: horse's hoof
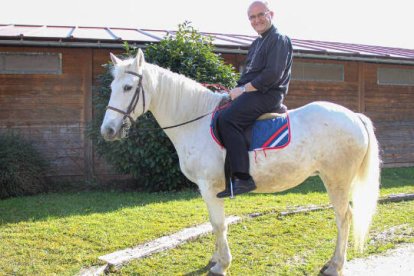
column 214, row 274
column 217, row 269
column 327, row 271
column 325, row 267
column 210, row 264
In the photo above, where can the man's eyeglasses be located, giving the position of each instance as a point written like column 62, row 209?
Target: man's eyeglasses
column 259, row 16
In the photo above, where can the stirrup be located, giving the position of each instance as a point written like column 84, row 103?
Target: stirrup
column 237, row 187
column 227, row 192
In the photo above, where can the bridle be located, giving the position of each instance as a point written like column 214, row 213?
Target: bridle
column 134, row 100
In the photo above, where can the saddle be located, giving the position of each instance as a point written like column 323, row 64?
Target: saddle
column 248, row 133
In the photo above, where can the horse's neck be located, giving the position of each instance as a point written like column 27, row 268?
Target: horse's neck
column 177, row 99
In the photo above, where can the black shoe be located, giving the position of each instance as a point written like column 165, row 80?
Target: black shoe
column 237, row 187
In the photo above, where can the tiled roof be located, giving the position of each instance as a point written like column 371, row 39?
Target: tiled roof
column 99, row 36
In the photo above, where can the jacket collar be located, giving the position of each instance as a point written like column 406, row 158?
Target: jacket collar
column 270, row 30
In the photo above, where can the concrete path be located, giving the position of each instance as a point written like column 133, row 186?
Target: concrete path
column 398, row 261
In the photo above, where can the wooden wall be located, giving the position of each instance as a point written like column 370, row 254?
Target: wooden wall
column 391, row 107
column 342, row 92
column 52, row 110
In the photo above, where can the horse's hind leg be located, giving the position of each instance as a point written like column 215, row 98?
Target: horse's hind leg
column 339, row 196
column 221, row 257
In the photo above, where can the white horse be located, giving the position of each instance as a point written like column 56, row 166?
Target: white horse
column 326, row 140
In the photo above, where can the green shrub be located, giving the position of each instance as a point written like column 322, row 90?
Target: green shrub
column 22, row 168
column 149, row 156
column 192, row 55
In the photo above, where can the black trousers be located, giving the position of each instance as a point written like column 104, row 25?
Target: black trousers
column 242, row 113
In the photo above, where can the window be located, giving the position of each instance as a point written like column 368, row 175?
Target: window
column 395, row 76
column 317, row 71
column 30, row 63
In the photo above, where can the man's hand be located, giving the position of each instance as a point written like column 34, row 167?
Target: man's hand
column 235, row 92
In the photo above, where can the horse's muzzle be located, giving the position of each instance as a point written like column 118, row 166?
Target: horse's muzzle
column 110, row 133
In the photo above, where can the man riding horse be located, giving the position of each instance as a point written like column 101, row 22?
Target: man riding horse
column 338, row 145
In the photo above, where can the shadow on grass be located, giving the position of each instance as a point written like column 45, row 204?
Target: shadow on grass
column 390, row 178
column 397, row 177
column 42, row 207
column 202, row 271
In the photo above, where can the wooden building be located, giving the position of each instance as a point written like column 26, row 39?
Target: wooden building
column 47, row 75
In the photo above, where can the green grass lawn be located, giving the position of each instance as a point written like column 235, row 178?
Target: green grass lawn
column 292, row 245
column 58, row 234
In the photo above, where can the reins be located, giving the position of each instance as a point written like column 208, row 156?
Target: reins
column 216, row 86
column 140, row 89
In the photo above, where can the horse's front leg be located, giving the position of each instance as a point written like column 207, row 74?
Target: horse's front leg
column 222, row 256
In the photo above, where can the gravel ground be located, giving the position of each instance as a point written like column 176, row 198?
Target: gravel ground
column 398, row 261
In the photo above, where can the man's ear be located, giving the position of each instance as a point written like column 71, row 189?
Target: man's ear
column 271, row 14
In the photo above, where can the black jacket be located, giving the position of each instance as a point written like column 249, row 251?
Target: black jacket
column 269, row 63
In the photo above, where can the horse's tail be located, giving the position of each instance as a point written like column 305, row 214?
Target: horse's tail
column 366, row 187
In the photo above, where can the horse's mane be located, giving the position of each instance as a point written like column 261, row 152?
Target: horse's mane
column 180, row 91
column 186, row 97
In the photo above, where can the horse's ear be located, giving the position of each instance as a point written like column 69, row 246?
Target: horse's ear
column 140, row 58
column 114, row 59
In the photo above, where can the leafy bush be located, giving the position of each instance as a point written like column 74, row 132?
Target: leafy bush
column 22, row 168
column 149, row 156
column 192, row 55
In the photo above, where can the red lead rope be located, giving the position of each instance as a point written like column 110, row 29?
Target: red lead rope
column 216, row 87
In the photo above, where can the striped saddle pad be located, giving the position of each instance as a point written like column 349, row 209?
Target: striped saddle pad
column 270, row 132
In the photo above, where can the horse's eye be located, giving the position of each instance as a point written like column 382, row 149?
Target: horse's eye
column 127, row 88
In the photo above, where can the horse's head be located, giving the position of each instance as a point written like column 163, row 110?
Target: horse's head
column 128, row 99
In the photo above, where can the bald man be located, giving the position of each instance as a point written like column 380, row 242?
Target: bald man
column 261, row 89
